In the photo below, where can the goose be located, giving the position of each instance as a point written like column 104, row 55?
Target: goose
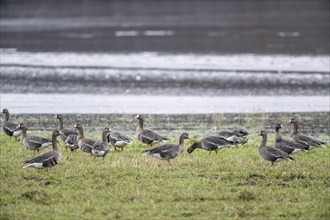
column 47, row 159
column 211, row 143
column 101, row 149
column 33, row 142
column 238, row 136
column 10, row 127
column 147, row 136
column 237, row 132
column 287, row 146
column 168, row 151
column 85, row 144
column 64, row 132
column 271, row 154
column 118, row 139
column 303, row 139
column 71, row 142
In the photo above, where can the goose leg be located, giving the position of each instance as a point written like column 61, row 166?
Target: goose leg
column 216, row 152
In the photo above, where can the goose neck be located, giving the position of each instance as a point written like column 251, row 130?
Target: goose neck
column 181, row 140
column 23, row 132
column 263, row 141
column 54, row 142
column 80, row 133
column 278, row 136
column 104, row 137
column 295, row 128
column 60, row 126
column 6, row 116
column 140, row 126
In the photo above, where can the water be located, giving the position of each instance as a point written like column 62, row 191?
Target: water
column 204, row 26
column 164, row 57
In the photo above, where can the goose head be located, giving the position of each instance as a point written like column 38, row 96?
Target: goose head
column 278, row 126
column 56, row 133
column 5, row 111
column 78, row 126
column 58, row 116
column 106, row 131
column 184, row 136
column 262, row 133
column 293, row 121
column 21, row 126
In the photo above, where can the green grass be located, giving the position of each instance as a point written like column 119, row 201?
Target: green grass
column 233, row 184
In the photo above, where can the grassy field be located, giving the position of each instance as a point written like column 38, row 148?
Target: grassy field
column 233, row 184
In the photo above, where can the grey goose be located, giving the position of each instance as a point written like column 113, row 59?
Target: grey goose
column 238, row 136
column 47, row 159
column 236, row 132
column 10, row 127
column 168, row 151
column 147, row 136
column 85, row 144
column 211, row 143
column 303, row 139
column 71, row 142
column 271, row 154
column 33, row 142
column 287, row 146
column 101, row 149
column 118, row 139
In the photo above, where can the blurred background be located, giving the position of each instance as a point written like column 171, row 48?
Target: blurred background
column 164, row 56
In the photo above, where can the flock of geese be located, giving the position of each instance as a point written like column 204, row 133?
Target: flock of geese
column 74, row 139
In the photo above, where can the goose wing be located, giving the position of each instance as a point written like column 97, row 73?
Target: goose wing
column 68, row 132
column 71, row 139
column 161, row 149
column 215, row 142
column 10, row 127
column 295, row 145
column 166, row 151
column 118, row 136
column 225, row 134
column 38, row 140
column 240, row 132
column 276, row 153
column 151, row 135
column 309, row 141
column 50, row 162
column 285, row 147
column 41, row 157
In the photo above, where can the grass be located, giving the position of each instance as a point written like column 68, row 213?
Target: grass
column 233, row 184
